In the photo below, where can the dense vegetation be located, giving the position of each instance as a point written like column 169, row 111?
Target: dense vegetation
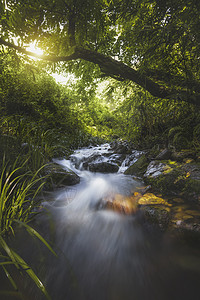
column 143, row 54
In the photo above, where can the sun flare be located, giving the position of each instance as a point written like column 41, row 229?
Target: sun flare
column 33, row 48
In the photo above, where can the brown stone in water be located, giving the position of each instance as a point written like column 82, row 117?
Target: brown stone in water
column 122, row 204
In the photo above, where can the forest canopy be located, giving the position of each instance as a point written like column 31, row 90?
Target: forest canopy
column 154, row 44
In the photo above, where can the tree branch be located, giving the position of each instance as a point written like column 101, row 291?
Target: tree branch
column 117, row 70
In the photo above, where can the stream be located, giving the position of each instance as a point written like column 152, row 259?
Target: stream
column 105, row 255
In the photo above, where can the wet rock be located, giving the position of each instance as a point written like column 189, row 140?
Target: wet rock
column 157, row 216
column 138, row 168
column 122, row 204
column 151, row 199
column 121, row 147
column 155, row 210
column 58, row 177
column 173, row 178
column 186, row 223
column 103, row 167
column 144, row 189
column 94, row 158
column 155, row 169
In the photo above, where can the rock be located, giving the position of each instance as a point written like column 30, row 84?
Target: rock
column 122, row 204
column 91, row 159
column 144, row 189
column 138, row 168
column 173, row 178
column 151, row 199
column 163, row 155
column 103, row 167
column 156, row 210
column 157, row 216
column 58, row 177
column 121, row 147
column 186, row 223
column 155, row 169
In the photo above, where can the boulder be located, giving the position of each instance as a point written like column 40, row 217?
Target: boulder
column 138, row 168
column 173, row 178
column 186, row 222
column 121, row 147
column 122, row 204
column 151, row 199
column 155, row 210
column 103, row 167
column 91, row 159
column 58, row 177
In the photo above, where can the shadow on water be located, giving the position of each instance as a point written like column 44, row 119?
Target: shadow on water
column 104, row 255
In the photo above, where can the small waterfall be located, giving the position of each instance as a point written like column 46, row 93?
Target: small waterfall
column 104, row 255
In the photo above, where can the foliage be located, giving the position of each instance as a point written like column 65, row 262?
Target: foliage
column 159, row 39
column 148, row 121
column 17, row 200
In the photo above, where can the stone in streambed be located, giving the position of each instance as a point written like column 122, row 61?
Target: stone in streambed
column 138, row 168
column 155, row 210
column 122, row 204
column 173, row 178
column 58, row 177
column 151, row 199
column 103, row 167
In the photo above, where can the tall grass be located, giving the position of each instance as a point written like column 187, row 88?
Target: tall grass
column 18, row 193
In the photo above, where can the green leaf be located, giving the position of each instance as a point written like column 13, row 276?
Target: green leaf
column 35, row 233
column 32, row 275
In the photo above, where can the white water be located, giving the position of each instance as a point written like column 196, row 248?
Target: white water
column 104, row 255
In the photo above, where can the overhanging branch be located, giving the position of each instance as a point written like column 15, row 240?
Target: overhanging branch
column 115, row 69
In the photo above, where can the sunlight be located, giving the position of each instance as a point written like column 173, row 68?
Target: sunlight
column 64, row 78
column 33, row 48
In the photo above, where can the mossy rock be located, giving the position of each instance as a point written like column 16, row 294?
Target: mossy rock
column 103, row 167
column 151, row 199
column 58, row 177
column 173, row 178
column 139, row 167
column 162, row 177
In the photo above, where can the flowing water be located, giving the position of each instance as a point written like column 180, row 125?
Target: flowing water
column 104, row 255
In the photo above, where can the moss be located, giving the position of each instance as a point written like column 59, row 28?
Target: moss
column 170, row 181
column 139, row 167
column 192, row 186
column 176, row 179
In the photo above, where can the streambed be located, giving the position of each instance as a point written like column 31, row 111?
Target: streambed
column 105, row 255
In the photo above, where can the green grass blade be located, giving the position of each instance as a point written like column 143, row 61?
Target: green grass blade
column 8, row 251
column 10, row 278
column 35, row 233
column 32, row 275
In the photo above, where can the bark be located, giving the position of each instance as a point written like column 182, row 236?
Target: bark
column 117, row 70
